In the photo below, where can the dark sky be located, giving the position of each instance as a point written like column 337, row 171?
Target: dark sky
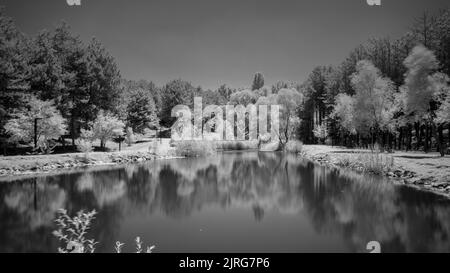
column 211, row 42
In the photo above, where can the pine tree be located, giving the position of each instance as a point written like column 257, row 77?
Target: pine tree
column 258, row 81
column 141, row 112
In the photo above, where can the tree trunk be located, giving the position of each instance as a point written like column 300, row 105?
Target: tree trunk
column 418, row 135
column 426, row 133
column 72, row 129
column 430, row 137
column 448, row 135
column 402, row 139
column 438, row 135
column 410, row 135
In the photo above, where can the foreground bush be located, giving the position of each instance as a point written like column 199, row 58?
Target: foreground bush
column 194, row 148
column 294, row 146
column 72, row 232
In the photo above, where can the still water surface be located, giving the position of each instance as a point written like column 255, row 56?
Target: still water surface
column 231, row 202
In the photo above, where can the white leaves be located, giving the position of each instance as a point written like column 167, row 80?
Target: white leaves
column 419, row 87
column 149, row 249
column 321, row 132
column 443, row 114
column 107, row 126
column 48, row 120
column 138, row 245
column 72, row 231
column 374, row 98
column 344, row 111
column 118, row 247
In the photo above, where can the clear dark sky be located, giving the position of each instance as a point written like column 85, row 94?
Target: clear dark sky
column 211, row 42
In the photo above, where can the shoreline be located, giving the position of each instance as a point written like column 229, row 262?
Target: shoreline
column 415, row 169
column 23, row 166
column 18, row 167
column 409, row 167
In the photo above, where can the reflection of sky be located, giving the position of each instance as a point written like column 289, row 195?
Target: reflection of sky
column 232, row 202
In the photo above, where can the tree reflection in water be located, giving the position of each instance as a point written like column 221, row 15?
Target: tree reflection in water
column 164, row 196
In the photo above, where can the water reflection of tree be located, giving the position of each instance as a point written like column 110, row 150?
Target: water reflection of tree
column 37, row 202
column 252, row 180
column 356, row 208
column 363, row 209
column 107, row 187
column 27, row 215
column 107, row 192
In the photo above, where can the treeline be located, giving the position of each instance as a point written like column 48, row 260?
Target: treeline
column 52, row 81
column 391, row 92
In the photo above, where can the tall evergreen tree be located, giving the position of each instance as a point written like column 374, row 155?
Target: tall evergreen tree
column 141, row 112
column 258, row 81
column 14, row 71
column 174, row 93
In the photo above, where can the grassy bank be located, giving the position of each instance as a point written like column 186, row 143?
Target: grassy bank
column 33, row 164
column 427, row 171
column 139, row 152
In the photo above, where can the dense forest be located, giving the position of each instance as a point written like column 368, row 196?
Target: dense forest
column 57, row 90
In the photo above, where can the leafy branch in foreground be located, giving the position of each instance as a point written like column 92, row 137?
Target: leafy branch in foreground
column 72, row 232
column 139, row 249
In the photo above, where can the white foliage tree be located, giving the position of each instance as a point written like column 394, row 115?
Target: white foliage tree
column 43, row 115
column 106, row 127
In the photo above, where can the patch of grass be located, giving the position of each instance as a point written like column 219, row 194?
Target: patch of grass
column 235, row 145
column 370, row 162
column 194, row 148
column 72, row 232
column 377, row 163
column 294, row 146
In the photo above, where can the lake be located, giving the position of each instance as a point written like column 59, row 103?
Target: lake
column 230, row 202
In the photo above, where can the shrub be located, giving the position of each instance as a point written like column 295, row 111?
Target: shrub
column 155, row 148
column 130, row 137
column 72, row 232
column 139, row 248
column 321, row 132
column 375, row 162
column 84, row 145
column 294, row 146
column 106, row 127
column 194, row 148
column 237, row 145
